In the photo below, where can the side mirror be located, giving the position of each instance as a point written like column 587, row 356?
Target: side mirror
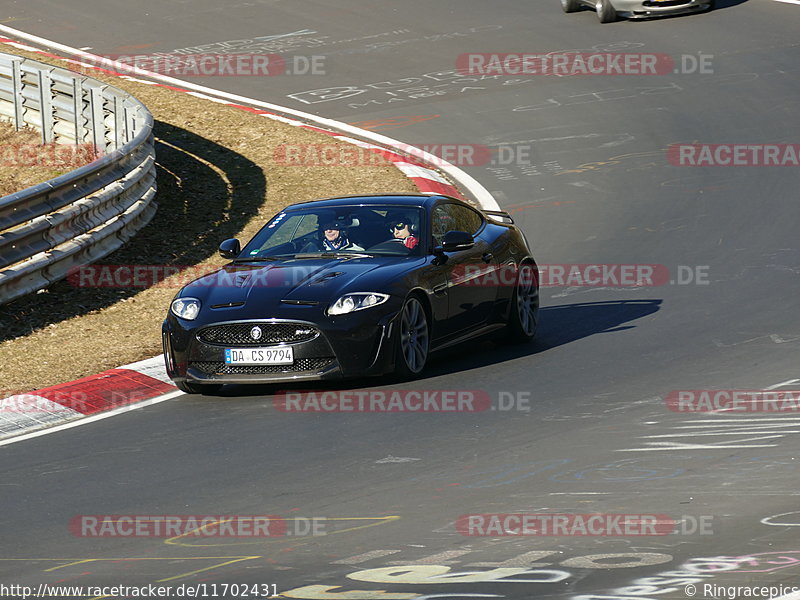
column 230, row 248
column 455, row 241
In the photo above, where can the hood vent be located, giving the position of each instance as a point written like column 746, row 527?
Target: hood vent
column 301, row 302
column 228, row 305
column 326, row 277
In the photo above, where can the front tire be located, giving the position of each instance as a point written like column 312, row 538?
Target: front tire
column 523, row 317
column 413, row 339
column 198, row 388
column 605, row 12
column 570, row 6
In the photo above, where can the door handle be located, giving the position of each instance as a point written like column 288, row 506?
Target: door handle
column 487, row 257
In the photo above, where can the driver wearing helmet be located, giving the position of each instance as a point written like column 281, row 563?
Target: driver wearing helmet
column 334, row 236
column 403, row 227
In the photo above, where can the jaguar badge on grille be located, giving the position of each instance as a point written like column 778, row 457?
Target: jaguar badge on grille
column 256, row 333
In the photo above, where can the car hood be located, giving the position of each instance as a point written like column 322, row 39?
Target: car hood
column 306, row 280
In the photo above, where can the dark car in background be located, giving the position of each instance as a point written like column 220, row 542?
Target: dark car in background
column 352, row 286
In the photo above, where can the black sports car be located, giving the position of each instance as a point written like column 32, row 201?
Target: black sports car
column 352, row 286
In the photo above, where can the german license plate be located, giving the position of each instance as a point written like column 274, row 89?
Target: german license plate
column 259, row 356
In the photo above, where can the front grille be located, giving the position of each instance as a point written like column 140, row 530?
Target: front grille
column 239, row 334
column 300, row 365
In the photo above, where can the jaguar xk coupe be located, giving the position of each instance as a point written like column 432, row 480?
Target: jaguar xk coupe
column 352, row 286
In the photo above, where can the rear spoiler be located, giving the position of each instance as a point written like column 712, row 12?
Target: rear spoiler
column 499, row 215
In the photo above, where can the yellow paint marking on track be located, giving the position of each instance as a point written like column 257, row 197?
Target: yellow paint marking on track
column 227, row 560
column 382, row 521
column 614, row 160
column 230, row 562
column 76, row 562
column 175, row 541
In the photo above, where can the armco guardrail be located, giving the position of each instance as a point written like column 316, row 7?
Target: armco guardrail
column 83, row 215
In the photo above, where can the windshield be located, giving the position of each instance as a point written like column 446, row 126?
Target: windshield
column 376, row 230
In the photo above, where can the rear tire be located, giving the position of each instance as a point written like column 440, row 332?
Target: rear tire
column 523, row 318
column 198, row 388
column 605, row 12
column 570, row 6
column 413, row 339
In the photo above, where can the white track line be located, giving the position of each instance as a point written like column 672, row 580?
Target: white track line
column 92, row 419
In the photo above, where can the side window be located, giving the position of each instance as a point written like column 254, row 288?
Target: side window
column 454, row 217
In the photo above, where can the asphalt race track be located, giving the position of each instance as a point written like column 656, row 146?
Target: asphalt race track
column 585, row 426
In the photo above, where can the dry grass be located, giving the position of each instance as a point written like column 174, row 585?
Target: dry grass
column 217, row 179
column 25, row 161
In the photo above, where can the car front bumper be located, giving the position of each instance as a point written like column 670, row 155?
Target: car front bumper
column 350, row 346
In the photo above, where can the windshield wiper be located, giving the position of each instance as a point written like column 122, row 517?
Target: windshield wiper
column 255, row 259
column 344, row 253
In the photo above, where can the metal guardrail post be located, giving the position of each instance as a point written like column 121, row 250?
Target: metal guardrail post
column 119, row 122
column 77, row 108
column 16, row 85
column 97, row 122
column 130, row 119
column 46, row 106
column 126, row 121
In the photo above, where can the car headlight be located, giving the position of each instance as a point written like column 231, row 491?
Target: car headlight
column 186, row 308
column 356, row 301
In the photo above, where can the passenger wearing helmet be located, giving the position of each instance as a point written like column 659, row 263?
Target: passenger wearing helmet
column 403, row 226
